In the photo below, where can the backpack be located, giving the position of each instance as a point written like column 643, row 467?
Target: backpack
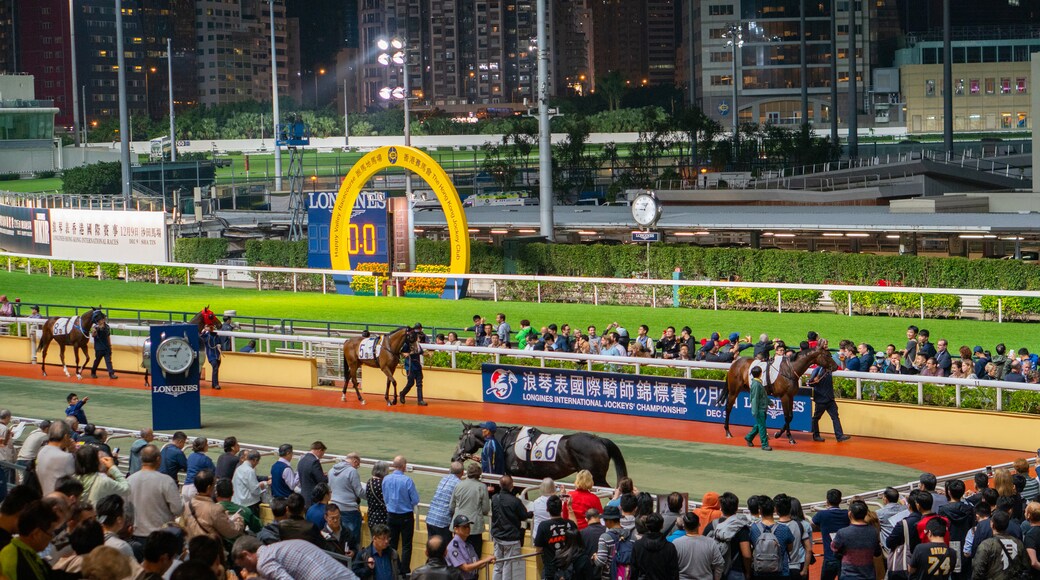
column 767, row 556
column 723, row 533
column 621, row 555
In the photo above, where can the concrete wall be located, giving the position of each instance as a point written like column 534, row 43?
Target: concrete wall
column 982, row 111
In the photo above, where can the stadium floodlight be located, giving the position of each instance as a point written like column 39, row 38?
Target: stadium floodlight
column 382, row 44
column 384, row 93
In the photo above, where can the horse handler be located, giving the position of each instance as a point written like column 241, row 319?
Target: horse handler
column 413, row 367
column 212, row 344
column 102, row 347
column 822, row 382
column 759, row 406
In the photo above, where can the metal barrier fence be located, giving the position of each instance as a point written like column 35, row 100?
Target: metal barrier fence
column 669, row 287
column 315, row 346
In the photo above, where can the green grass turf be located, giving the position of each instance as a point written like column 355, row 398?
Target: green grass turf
column 656, row 465
column 448, row 315
column 50, row 184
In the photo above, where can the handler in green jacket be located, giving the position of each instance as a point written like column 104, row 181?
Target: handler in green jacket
column 759, row 405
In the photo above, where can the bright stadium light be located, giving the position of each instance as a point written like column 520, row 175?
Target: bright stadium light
column 382, row 44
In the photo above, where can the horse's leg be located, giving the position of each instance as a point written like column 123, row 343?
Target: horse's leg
column 61, row 353
column 788, row 404
column 75, row 354
column 86, row 361
column 357, row 384
column 43, row 359
column 731, row 399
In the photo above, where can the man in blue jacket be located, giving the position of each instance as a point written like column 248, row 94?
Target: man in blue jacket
column 492, row 457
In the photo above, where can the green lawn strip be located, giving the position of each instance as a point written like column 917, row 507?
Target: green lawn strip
column 656, row 465
column 448, row 315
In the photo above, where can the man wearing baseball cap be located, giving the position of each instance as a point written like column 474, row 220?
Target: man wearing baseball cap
column 492, row 458
column 461, row 554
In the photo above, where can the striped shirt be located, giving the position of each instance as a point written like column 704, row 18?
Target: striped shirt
column 299, row 560
column 439, row 514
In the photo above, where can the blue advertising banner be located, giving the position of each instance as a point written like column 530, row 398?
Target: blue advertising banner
column 25, row 230
column 638, row 395
column 176, row 401
column 367, row 238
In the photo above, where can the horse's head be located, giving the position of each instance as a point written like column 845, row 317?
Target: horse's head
column 822, row 357
column 208, row 318
column 470, row 441
column 96, row 314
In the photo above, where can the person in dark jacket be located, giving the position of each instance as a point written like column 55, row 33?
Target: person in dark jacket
column 436, row 568
column 212, row 342
column 822, row 383
column 961, row 516
column 102, row 347
column 378, row 560
column 310, row 471
column 653, row 556
column 897, row 537
column 508, row 515
column 296, row 526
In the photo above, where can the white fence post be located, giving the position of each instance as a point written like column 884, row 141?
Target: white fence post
column 920, row 393
column 850, row 303
column 494, row 285
column 779, row 303
column 1000, row 399
column 1000, row 310
column 715, row 298
column 595, row 294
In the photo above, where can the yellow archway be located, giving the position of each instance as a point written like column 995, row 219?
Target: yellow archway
column 429, row 171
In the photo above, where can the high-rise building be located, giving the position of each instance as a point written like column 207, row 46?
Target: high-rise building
column 7, row 37
column 619, row 39
column 769, row 57
column 573, row 64
column 41, row 44
column 660, row 41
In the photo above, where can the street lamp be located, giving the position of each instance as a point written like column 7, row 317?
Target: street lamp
column 400, row 58
column 317, row 72
column 735, row 41
column 147, row 95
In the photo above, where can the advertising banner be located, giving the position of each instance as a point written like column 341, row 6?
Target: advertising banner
column 25, row 230
column 638, row 395
column 131, row 236
column 366, row 236
column 176, row 400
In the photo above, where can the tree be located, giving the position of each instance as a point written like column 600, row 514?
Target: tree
column 98, row 178
column 573, row 168
column 612, row 86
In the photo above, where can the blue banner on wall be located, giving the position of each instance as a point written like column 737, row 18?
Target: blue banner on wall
column 25, row 230
column 176, row 400
column 639, row 395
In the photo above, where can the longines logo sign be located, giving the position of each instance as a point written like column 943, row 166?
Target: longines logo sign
column 174, row 390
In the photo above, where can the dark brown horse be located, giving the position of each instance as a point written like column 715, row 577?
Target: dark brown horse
column 204, row 318
column 78, row 338
column 575, row 451
column 785, row 386
column 392, row 346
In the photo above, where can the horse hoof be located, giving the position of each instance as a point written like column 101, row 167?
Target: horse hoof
column 778, row 435
column 728, row 435
column 79, row 376
column 67, row 374
column 342, row 398
column 362, row 401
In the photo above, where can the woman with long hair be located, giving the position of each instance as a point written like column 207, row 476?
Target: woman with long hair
column 98, row 473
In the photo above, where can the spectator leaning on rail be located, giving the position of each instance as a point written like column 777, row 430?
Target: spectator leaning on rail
column 401, row 497
column 438, row 517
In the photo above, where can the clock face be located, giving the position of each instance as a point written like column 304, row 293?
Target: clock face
column 645, row 209
column 175, row 355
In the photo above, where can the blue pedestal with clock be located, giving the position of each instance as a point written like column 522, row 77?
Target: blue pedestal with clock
column 176, row 401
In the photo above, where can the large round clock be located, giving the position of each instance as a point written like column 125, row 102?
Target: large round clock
column 175, row 355
column 646, row 209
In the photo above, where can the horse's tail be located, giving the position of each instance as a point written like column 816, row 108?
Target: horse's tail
column 620, row 469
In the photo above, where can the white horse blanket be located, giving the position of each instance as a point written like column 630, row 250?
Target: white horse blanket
column 770, row 370
column 542, row 448
column 370, row 348
column 64, row 326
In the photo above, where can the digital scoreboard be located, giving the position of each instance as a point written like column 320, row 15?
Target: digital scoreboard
column 367, row 237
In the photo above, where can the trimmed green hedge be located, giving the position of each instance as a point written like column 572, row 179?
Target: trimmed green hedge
column 277, row 253
column 622, row 261
column 200, row 250
column 1013, row 307
column 897, row 303
column 757, row 299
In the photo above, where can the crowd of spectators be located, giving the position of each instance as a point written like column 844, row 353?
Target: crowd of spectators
column 918, row 356
column 77, row 515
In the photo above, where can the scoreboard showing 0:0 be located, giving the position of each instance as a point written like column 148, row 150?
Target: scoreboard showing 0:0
column 362, row 240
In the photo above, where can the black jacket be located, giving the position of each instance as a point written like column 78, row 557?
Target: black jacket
column 654, row 558
column 896, row 538
column 507, row 517
column 436, row 569
column 822, row 389
column 361, row 569
column 311, row 475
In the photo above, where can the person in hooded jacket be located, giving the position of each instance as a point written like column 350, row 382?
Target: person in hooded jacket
column 961, row 516
column 709, row 511
column 653, row 557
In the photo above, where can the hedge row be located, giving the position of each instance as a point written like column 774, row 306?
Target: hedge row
column 167, row 274
column 277, row 253
column 624, row 261
column 200, row 250
column 758, row 299
column 897, row 303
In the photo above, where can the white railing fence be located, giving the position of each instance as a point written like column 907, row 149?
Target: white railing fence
column 590, row 284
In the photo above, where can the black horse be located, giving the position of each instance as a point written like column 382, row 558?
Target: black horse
column 575, row 452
